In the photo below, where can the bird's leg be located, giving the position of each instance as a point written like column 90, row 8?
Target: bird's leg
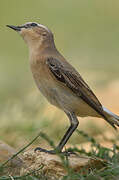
column 74, row 123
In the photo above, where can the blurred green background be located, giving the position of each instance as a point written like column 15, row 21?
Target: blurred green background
column 86, row 33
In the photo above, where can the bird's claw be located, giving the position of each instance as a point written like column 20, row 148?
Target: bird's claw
column 65, row 153
column 45, row 150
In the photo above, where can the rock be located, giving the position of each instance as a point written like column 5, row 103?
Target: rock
column 53, row 167
column 13, row 167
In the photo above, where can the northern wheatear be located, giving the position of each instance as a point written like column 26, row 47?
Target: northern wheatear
column 59, row 82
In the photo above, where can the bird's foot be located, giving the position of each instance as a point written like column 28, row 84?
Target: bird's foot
column 55, row 151
column 45, row 150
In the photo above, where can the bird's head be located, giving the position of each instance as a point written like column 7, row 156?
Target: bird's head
column 34, row 34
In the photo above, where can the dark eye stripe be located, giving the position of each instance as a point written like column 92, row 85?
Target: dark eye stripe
column 33, row 24
column 29, row 25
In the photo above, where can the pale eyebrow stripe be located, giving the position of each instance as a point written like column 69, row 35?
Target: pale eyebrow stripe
column 40, row 25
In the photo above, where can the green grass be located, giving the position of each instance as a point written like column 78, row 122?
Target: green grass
column 111, row 163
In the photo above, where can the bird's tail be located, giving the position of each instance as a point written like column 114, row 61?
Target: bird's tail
column 111, row 118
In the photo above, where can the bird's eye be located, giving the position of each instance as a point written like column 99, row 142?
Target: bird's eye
column 29, row 25
column 33, row 24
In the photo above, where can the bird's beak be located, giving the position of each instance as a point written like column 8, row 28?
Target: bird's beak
column 16, row 28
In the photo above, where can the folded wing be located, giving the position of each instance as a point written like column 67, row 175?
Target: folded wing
column 67, row 75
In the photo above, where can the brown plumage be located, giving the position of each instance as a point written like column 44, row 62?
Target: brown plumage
column 58, row 81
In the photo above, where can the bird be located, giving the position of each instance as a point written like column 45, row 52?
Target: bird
column 59, row 81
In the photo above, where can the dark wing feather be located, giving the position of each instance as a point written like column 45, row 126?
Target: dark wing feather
column 72, row 79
